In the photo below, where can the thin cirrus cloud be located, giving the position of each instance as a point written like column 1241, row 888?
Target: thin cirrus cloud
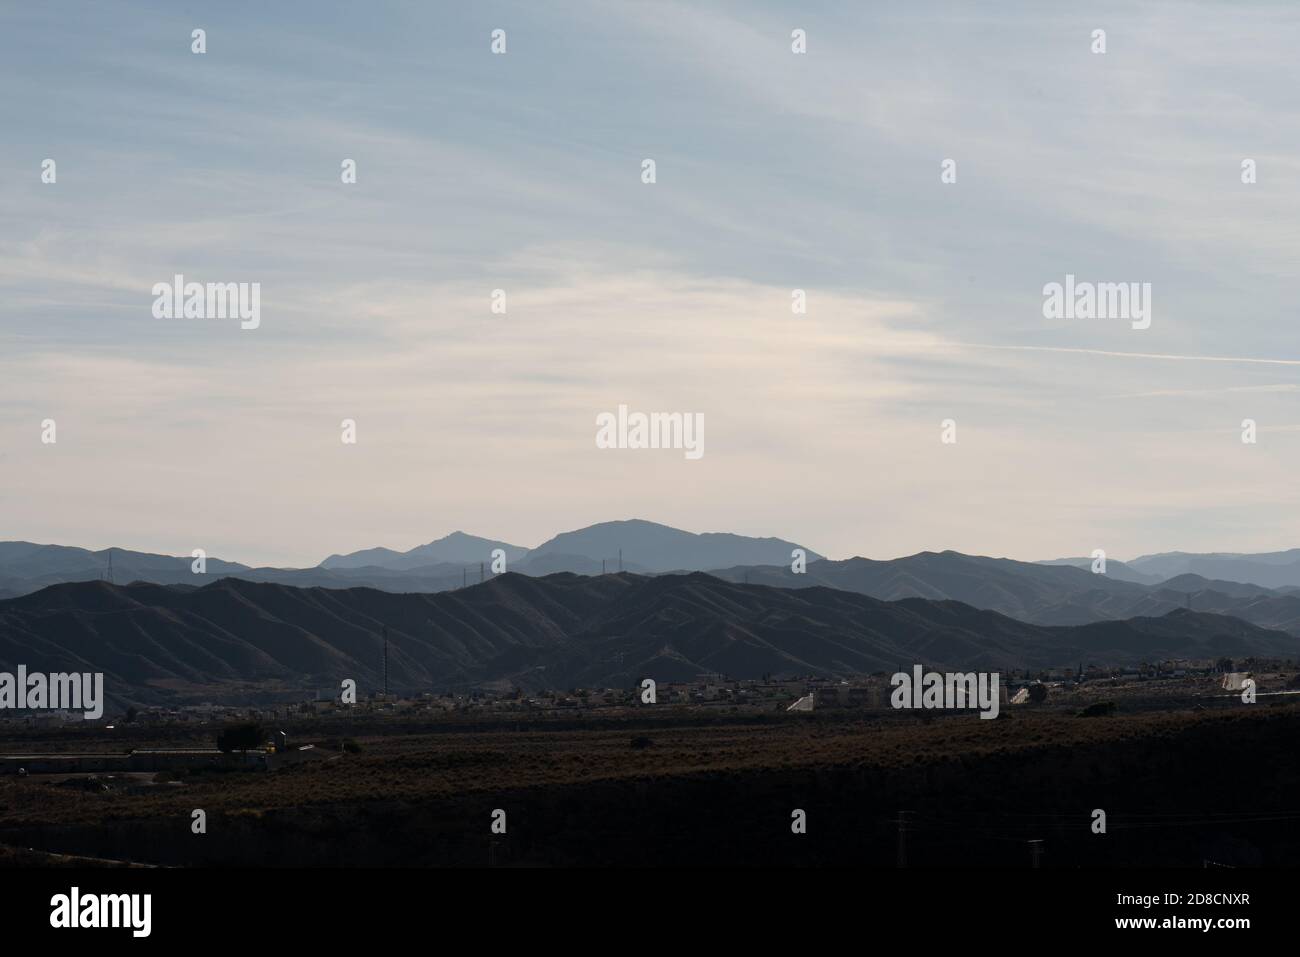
column 776, row 172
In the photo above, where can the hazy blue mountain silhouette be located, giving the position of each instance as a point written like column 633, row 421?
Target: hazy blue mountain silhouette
column 1050, row 593
column 1040, row 593
column 661, row 548
column 1267, row 569
column 457, row 548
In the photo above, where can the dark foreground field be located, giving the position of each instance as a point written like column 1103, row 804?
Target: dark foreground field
column 685, row 788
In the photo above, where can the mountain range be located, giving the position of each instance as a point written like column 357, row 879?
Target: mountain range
column 1266, row 569
column 236, row 640
column 1056, row 592
column 1040, row 593
column 456, row 548
column 448, row 562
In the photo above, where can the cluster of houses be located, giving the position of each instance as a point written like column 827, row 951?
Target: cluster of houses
column 712, row 690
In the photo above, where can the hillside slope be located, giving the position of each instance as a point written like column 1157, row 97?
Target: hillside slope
column 236, row 640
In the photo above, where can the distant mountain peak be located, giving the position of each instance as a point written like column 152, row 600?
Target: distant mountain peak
column 662, row 548
column 458, row 548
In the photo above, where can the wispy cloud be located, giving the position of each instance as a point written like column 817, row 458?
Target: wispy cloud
column 775, row 172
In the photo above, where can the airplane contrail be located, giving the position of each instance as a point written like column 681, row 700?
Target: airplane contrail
column 1135, row 355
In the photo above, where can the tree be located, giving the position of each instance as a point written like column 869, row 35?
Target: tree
column 131, row 712
column 1038, row 693
column 241, row 737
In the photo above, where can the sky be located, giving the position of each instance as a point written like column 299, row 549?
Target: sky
column 774, row 171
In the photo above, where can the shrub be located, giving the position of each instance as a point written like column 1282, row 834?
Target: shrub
column 240, row 737
column 1098, row 709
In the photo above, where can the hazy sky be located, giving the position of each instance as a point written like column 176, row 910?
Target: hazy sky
column 775, row 171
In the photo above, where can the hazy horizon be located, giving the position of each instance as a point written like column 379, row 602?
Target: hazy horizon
column 775, row 172
column 245, row 560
